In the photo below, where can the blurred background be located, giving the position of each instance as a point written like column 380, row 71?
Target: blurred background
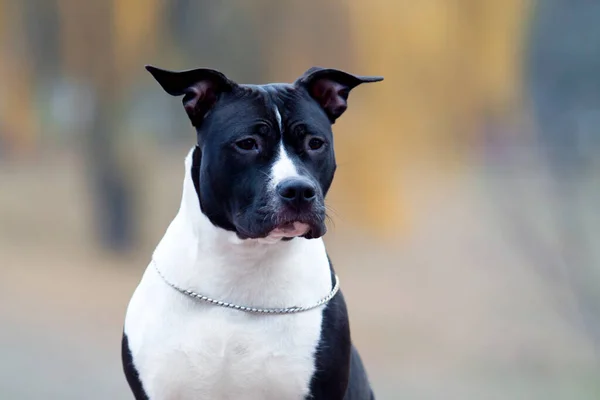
column 466, row 206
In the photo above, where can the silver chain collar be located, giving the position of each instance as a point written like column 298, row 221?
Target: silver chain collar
column 254, row 310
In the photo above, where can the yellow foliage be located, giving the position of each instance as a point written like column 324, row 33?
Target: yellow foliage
column 445, row 63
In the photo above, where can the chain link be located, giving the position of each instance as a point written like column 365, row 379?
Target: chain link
column 254, row 310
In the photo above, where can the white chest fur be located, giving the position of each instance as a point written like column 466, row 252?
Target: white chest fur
column 184, row 349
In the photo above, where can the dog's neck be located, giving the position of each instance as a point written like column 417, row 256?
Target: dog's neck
column 199, row 256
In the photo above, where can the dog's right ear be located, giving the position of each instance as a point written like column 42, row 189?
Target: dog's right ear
column 200, row 88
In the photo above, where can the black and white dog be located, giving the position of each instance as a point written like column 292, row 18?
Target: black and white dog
column 248, row 237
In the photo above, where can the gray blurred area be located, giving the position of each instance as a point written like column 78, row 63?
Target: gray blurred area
column 465, row 215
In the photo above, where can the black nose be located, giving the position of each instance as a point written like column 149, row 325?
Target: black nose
column 297, row 192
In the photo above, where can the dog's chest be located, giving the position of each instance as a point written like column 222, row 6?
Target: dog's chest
column 183, row 350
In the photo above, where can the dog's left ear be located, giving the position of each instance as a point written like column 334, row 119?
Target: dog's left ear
column 200, row 88
column 331, row 87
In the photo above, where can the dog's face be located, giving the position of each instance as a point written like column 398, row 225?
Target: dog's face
column 264, row 159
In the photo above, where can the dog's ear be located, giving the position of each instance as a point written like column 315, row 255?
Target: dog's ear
column 200, row 88
column 331, row 87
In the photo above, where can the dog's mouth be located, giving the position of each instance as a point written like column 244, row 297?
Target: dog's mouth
column 289, row 230
column 285, row 226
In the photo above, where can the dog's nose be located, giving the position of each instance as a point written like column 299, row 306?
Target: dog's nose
column 297, row 192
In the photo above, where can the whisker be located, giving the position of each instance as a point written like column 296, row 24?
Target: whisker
column 265, row 174
column 330, row 220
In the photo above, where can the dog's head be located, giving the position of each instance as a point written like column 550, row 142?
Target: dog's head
column 264, row 159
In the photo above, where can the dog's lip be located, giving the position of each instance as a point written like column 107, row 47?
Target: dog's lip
column 290, row 229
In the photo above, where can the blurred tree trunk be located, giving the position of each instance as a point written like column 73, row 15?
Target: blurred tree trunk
column 102, row 44
column 17, row 113
column 86, row 39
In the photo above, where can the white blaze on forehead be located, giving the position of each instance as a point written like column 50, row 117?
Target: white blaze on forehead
column 278, row 117
column 283, row 167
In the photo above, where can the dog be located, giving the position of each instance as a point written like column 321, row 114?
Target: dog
column 240, row 300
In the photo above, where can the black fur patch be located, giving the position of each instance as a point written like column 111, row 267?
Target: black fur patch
column 131, row 373
column 340, row 373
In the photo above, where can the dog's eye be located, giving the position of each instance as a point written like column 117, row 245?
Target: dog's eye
column 247, row 144
column 315, row 143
